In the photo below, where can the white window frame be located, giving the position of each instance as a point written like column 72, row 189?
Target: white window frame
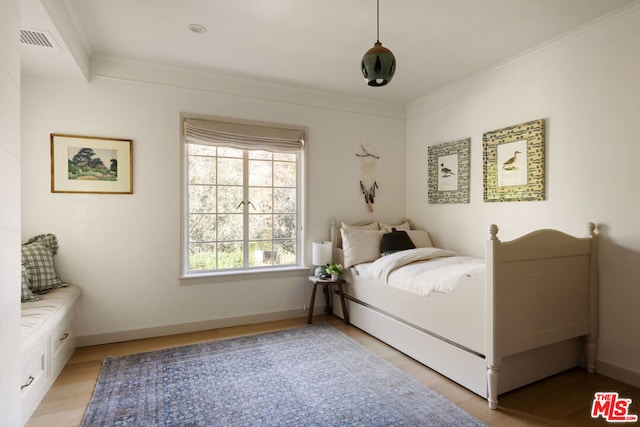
column 299, row 269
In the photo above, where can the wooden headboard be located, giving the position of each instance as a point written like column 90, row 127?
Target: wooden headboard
column 336, row 242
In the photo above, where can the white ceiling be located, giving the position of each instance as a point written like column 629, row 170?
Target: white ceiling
column 315, row 44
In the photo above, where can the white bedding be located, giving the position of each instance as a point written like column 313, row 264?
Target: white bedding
column 424, row 270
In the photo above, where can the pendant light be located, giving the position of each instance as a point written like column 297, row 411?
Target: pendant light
column 378, row 64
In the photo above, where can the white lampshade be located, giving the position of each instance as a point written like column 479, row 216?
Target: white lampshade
column 321, row 253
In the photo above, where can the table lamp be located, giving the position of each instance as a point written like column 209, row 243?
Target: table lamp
column 321, row 255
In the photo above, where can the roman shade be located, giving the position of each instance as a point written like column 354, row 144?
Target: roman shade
column 243, row 136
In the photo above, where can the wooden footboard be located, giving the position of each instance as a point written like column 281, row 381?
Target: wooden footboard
column 542, row 290
column 541, row 302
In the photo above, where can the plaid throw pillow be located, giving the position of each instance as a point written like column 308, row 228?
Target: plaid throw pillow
column 37, row 254
column 27, row 295
column 48, row 239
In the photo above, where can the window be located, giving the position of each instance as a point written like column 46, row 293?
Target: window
column 242, row 205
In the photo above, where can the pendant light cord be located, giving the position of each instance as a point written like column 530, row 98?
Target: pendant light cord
column 378, row 22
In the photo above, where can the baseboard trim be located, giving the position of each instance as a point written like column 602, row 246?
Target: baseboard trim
column 135, row 334
column 617, row 373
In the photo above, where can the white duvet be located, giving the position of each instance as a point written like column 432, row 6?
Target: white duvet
column 424, row 270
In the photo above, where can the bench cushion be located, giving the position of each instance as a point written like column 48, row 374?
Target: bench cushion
column 39, row 317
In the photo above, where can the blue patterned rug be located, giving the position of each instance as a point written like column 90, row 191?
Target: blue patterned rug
column 309, row 376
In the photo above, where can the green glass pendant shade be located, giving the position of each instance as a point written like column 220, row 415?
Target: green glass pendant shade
column 378, row 65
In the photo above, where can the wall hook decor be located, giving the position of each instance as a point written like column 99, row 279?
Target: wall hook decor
column 368, row 184
column 366, row 153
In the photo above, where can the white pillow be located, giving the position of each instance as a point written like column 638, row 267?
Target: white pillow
column 372, row 226
column 360, row 245
column 420, row 238
column 389, row 228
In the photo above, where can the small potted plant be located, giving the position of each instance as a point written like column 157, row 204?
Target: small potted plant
column 335, row 270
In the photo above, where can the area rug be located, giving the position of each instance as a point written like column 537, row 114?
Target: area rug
column 309, row 376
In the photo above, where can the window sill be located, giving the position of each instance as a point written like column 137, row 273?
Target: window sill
column 232, row 276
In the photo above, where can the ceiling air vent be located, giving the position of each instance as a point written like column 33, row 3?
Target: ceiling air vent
column 37, row 38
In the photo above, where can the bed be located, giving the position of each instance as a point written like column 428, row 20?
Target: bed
column 526, row 311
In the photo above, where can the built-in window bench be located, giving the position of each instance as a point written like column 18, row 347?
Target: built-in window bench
column 48, row 334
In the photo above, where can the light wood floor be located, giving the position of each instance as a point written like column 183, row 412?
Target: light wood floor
column 562, row 400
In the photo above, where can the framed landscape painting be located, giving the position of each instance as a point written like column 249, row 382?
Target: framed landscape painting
column 89, row 164
column 448, row 167
column 514, row 163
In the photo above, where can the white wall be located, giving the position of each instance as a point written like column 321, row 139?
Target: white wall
column 124, row 250
column 9, row 213
column 587, row 89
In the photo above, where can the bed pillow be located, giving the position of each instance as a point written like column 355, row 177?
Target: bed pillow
column 37, row 255
column 388, row 227
column 397, row 240
column 26, row 294
column 372, row 226
column 420, row 238
column 360, row 246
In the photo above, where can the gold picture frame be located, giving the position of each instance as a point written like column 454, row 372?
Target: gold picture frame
column 514, row 168
column 90, row 164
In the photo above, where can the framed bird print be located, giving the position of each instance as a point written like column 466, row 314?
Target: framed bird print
column 448, row 165
column 89, row 164
column 514, row 163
